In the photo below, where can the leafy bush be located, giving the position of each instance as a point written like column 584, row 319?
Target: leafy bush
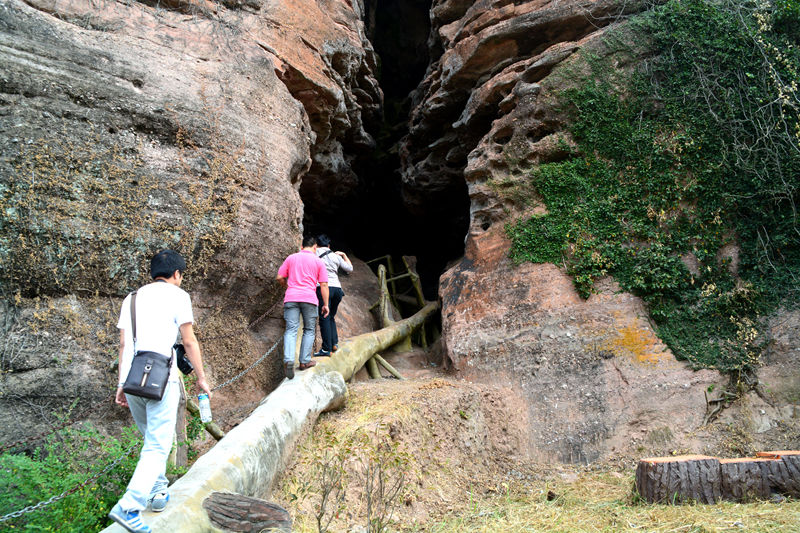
column 67, row 460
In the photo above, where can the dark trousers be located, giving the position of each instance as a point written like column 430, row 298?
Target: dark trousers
column 327, row 324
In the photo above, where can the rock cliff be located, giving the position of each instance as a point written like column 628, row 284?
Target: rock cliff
column 130, row 127
column 216, row 128
column 597, row 380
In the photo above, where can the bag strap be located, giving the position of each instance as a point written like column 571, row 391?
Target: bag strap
column 133, row 319
column 325, row 253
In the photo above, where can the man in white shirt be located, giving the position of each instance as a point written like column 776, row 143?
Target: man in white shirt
column 162, row 309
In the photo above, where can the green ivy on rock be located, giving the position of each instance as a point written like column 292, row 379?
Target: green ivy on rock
column 701, row 149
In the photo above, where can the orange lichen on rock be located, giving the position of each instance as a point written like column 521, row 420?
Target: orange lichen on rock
column 637, row 342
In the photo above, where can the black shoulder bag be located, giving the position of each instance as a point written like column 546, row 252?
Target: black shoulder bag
column 149, row 371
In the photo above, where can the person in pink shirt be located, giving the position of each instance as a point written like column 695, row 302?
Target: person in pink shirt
column 300, row 273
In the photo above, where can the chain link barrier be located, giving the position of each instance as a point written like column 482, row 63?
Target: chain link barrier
column 249, row 368
column 249, row 326
column 42, row 504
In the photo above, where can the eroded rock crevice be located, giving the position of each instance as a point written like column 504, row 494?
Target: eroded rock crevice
column 354, row 191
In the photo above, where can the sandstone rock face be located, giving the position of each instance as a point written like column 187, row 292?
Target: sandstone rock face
column 595, row 377
column 489, row 57
column 128, row 128
column 597, row 380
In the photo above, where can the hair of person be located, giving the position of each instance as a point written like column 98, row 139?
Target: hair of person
column 323, row 240
column 165, row 263
column 309, row 241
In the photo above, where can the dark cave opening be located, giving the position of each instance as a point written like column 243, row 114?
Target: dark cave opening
column 376, row 220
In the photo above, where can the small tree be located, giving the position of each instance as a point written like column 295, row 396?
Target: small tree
column 383, row 471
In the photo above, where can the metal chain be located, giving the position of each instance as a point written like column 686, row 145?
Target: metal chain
column 248, row 369
column 250, row 325
column 31, row 508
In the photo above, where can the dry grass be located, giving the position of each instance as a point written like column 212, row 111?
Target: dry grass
column 602, row 502
column 597, row 502
column 451, row 488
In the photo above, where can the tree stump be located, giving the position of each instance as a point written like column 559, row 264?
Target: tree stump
column 235, row 512
column 679, row 479
column 784, row 475
column 743, row 479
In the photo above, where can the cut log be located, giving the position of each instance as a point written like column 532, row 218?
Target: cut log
column 783, row 475
column 743, row 479
column 372, row 369
column 696, row 478
column 684, row 478
column 235, row 512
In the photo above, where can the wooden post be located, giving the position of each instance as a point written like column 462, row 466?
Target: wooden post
column 423, row 339
column 384, row 313
column 372, row 368
column 392, row 370
column 179, row 455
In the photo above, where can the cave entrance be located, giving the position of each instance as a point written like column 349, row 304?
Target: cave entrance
column 378, row 219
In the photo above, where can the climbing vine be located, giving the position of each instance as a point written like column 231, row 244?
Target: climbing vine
column 683, row 183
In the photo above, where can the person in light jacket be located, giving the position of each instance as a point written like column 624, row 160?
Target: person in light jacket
column 334, row 261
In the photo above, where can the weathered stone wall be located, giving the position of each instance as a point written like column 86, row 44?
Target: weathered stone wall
column 597, row 380
column 128, row 128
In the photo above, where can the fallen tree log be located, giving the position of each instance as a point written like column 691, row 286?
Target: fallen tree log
column 247, row 460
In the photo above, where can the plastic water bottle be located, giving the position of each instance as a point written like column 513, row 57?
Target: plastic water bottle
column 205, row 408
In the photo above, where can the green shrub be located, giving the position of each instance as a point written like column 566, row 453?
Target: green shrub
column 67, row 460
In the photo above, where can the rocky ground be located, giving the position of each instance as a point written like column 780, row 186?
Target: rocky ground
column 464, row 447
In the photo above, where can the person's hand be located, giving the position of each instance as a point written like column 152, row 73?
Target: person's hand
column 120, row 398
column 203, row 385
column 325, row 310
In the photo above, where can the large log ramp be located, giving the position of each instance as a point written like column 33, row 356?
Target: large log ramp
column 698, row 478
column 249, row 457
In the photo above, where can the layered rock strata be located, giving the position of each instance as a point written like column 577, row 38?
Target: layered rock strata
column 597, row 380
column 129, row 127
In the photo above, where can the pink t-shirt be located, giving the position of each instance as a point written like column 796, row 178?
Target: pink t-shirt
column 303, row 271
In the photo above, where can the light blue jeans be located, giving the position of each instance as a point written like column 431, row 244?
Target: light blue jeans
column 156, row 420
column 291, row 313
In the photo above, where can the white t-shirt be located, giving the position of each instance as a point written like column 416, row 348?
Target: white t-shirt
column 161, row 309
